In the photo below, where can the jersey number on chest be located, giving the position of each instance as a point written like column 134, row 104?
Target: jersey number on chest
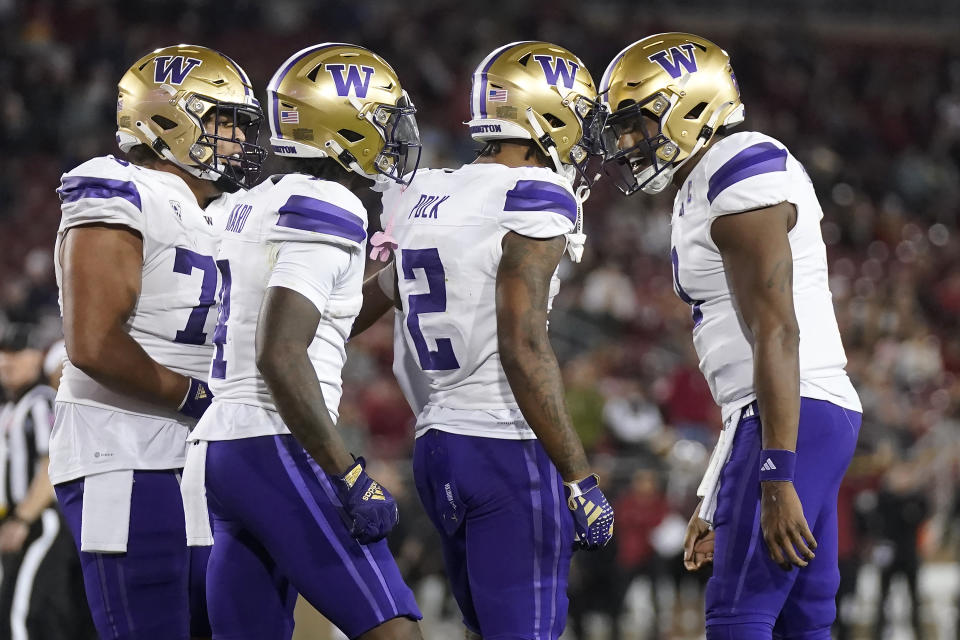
column 185, row 261
column 434, row 301
column 694, row 304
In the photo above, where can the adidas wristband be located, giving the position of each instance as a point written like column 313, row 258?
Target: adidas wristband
column 197, row 400
column 777, row 465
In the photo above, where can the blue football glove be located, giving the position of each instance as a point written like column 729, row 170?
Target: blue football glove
column 592, row 514
column 370, row 507
column 197, row 400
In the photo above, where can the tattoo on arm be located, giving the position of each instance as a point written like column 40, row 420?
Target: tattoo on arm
column 523, row 286
column 781, row 276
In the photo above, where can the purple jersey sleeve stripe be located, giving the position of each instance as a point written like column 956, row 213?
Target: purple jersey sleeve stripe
column 537, row 195
column 76, row 188
column 764, row 157
column 310, row 214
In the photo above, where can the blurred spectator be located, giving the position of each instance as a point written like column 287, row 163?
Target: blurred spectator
column 901, row 509
column 640, row 510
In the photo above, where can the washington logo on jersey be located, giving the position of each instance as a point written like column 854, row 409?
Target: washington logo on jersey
column 673, row 59
column 558, row 70
column 173, row 69
column 355, row 81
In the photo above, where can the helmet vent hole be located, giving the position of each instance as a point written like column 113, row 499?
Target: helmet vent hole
column 350, row 135
column 694, row 113
column 165, row 123
column 219, row 81
column 554, row 121
column 313, row 73
column 524, row 59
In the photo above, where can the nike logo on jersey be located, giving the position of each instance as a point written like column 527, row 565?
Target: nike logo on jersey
column 768, row 466
column 427, row 207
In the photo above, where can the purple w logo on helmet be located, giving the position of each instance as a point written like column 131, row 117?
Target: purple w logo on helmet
column 173, row 69
column 558, row 70
column 351, row 82
column 672, row 59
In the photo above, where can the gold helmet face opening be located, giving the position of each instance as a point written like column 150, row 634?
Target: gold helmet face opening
column 195, row 108
column 541, row 92
column 229, row 145
column 344, row 102
column 638, row 150
column 668, row 94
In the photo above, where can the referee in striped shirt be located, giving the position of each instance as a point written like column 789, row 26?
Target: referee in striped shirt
column 41, row 591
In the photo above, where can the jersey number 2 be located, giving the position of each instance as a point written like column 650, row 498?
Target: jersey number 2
column 434, row 301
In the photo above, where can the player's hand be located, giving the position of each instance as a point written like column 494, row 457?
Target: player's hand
column 697, row 543
column 784, row 526
column 370, row 507
column 197, row 400
column 13, row 533
column 592, row 514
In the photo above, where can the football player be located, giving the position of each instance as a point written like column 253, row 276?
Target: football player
column 135, row 265
column 749, row 259
column 292, row 510
column 498, row 465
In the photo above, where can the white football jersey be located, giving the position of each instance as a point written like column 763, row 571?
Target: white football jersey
column 291, row 231
column 449, row 225
column 172, row 321
column 738, row 173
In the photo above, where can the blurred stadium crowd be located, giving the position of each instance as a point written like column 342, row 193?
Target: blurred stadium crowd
column 873, row 113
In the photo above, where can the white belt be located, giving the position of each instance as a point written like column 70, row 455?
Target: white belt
column 710, row 485
column 105, row 515
column 193, row 489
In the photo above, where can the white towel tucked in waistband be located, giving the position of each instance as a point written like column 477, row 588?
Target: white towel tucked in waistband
column 105, row 516
column 710, row 485
column 194, row 491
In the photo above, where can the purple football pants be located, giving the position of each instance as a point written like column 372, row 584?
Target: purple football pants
column 278, row 529
column 154, row 591
column 749, row 597
column 506, row 531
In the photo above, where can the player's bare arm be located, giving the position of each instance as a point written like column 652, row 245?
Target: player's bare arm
column 376, row 301
column 759, row 263
column 287, row 325
column 523, row 285
column 102, row 267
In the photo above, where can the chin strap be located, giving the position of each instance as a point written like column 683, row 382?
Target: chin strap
column 577, row 239
column 545, row 141
column 160, row 147
column 660, row 182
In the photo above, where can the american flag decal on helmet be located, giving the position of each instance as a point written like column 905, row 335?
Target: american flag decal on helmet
column 497, row 95
column 289, row 117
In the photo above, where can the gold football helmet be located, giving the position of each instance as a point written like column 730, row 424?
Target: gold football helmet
column 669, row 92
column 542, row 92
column 344, row 102
column 166, row 96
